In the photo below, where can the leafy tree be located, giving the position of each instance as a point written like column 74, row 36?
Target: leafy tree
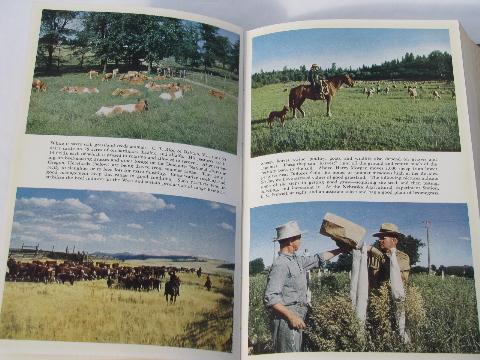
column 256, row 266
column 55, row 30
column 208, row 35
column 343, row 263
column 234, row 57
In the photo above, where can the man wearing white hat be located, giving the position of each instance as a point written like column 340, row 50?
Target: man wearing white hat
column 380, row 260
column 286, row 292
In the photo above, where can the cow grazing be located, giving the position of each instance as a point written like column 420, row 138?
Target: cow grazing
column 140, row 106
column 92, row 74
column 435, row 95
column 412, row 92
column 218, row 94
column 107, row 76
column 39, row 85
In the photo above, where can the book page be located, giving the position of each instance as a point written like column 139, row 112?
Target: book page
column 124, row 233
column 361, row 198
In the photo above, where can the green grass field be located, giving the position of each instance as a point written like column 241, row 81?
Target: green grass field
column 441, row 317
column 383, row 122
column 89, row 311
column 196, row 119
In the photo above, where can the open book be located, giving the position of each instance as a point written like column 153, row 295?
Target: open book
column 168, row 165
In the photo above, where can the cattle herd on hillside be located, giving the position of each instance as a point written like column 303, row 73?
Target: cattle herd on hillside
column 138, row 278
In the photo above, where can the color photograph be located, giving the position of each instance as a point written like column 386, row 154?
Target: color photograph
column 353, row 89
column 118, row 267
column 135, row 76
column 362, row 277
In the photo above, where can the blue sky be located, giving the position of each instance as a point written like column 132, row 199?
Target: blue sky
column 123, row 222
column 449, row 230
column 345, row 47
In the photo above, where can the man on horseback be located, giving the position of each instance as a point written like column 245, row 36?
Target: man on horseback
column 314, row 77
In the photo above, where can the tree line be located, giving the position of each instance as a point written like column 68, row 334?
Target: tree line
column 435, row 66
column 133, row 40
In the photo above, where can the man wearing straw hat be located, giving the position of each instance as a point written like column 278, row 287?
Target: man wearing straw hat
column 286, row 292
column 380, row 260
column 314, row 77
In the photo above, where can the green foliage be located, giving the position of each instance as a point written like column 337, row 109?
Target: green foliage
column 441, row 316
column 256, row 266
column 333, row 325
column 435, row 66
column 358, row 123
column 259, row 318
column 133, row 40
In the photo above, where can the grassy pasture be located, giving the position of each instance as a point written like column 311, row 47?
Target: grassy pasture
column 441, row 318
column 196, row 119
column 90, row 312
column 383, row 122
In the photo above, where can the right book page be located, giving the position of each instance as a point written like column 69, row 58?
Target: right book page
column 361, row 213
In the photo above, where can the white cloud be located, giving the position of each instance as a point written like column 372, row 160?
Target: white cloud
column 214, row 205
column 192, row 224
column 230, row 208
column 37, row 202
column 464, row 238
column 137, row 202
column 135, row 226
column 24, row 213
column 226, row 226
column 102, row 217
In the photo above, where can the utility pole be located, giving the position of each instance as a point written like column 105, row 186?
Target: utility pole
column 427, row 226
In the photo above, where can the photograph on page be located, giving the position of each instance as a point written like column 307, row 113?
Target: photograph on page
column 120, row 268
column 135, row 76
column 353, row 89
column 338, row 276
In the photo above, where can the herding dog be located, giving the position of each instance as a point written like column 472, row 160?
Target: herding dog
column 281, row 115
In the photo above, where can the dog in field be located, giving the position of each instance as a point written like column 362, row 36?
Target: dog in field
column 281, row 115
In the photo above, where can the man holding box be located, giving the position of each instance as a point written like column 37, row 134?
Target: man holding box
column 286, row 292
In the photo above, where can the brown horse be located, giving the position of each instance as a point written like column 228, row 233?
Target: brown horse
column 302, row 92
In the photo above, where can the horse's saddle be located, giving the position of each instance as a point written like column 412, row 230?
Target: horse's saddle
column 321, row 89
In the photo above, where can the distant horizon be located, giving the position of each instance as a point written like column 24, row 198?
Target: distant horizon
column 117, row 222
column 346, row 47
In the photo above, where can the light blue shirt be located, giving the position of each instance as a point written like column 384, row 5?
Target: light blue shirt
column 287, row 281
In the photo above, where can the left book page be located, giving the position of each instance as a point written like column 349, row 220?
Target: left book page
column 122, row 237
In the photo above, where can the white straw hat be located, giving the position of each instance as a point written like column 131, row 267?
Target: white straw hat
column 288, row 230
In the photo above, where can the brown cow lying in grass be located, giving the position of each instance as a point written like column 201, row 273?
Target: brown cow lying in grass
column 217, row 94
column 125, row 92
column 79, row 90
column 140, row 106
column 281, row 115
column 39, row 85
column 157, row 87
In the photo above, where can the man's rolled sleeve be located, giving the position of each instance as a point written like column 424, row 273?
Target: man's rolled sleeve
column 312, row 262
column 275, row 283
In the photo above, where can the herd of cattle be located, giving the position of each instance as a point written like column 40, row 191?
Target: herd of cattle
column 169, row 91
column 138, row 278
column 414, row 89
